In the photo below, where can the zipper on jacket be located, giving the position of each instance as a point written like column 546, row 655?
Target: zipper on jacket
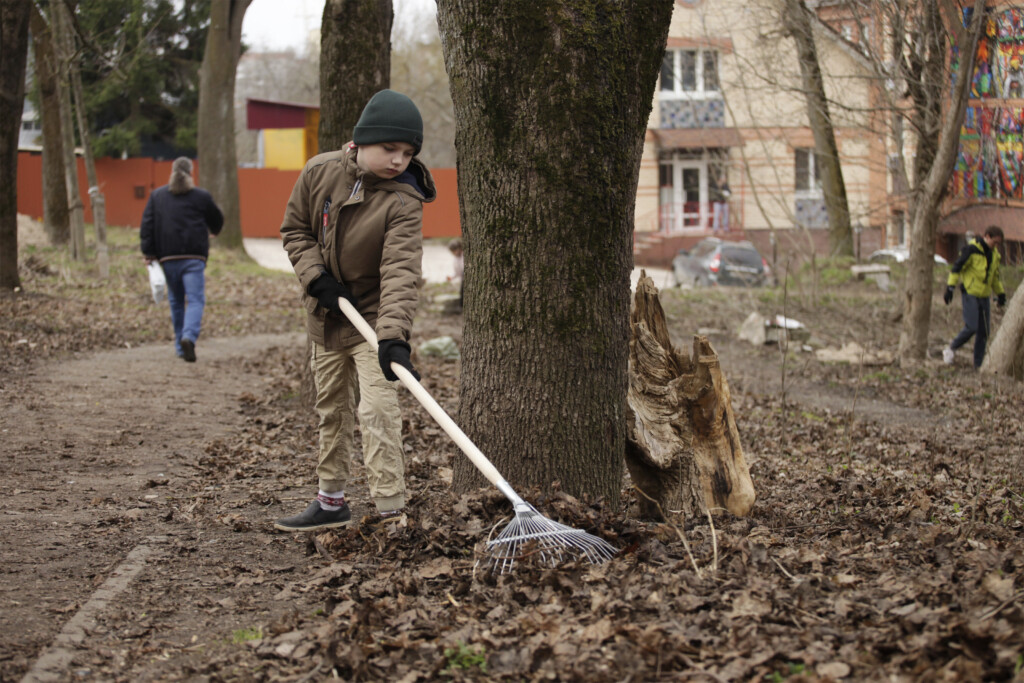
column 323, row 223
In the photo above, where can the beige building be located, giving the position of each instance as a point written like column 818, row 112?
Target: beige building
column 729, row 150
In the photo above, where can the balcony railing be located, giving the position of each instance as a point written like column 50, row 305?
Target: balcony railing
column 697, row 218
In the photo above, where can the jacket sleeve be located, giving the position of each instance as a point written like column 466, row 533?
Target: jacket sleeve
column 299, row 237
column 400, row 268
column 997, row 279
column 214, row 217
column 958, row 265
column 147, row 231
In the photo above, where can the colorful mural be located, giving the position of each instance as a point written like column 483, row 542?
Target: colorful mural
column 991, row 157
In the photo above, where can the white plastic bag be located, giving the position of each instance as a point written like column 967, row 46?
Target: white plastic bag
column 157, row 282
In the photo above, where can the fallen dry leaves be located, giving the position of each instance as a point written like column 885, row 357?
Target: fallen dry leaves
column 887, row 542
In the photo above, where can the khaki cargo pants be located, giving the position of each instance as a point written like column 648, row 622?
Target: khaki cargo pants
column 336, row 374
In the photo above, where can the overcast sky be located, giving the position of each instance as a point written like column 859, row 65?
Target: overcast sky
column 272, row 25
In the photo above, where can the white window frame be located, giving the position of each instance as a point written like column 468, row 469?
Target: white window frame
column 699, row 93
column 813, row 175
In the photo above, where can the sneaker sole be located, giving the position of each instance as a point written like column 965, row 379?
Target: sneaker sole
column 330, row 525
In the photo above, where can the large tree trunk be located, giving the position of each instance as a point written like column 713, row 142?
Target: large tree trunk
column 798, row 22
column 551, row 101
column 683, row 451
column 355, row 62
column 13, row 56
column 218, row 166
column 918, row 294
column 1006, row 353
column 56, row 218
column 61, row 33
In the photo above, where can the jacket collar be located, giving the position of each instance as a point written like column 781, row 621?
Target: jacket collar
column 373, row 182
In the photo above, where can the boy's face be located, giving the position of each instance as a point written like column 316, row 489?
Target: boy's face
column 992, row 241
column 385, row 159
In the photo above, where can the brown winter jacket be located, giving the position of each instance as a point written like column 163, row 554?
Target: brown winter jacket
column 372, row 241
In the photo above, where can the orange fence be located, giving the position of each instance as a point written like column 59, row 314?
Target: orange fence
column 263, row 193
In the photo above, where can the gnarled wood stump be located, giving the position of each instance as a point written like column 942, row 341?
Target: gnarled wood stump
column 683, row 448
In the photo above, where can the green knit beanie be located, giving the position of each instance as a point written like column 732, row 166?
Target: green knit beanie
column 389, row 116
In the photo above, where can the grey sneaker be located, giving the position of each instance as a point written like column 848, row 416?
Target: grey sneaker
column 188, row 350
column 948, row 355
column 315, row 517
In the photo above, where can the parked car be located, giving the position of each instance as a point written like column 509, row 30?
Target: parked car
column 897, row 255
column 716, row 262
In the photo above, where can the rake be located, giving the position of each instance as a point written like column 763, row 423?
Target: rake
column 529, row 532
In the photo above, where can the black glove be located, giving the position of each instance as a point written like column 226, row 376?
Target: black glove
column 948, row 296
column 327, row 290
column 395, row 351
column 1001, row 300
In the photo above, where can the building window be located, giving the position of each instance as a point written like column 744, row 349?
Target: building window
column 808, row 176
column 690, row 73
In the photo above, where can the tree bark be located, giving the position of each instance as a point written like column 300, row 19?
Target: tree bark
column 56, row 218
column 355, row 62
column 218, row 167
column 918, row 294
column 551, row 103
column 61, row 34
column 798, row 22
column 14, row 16
column 1006, row 353
column 683, row 451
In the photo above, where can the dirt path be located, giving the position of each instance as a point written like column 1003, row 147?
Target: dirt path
column 110, row 540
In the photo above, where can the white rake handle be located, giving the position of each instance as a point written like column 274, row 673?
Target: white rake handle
column 474, row 454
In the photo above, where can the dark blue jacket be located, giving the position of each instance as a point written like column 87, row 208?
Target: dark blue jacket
column 176, row 226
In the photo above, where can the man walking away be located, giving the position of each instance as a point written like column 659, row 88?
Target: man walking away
column 176, row 227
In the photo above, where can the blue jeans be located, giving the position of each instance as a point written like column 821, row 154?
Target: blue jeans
column 186, row 292
column 977, row 317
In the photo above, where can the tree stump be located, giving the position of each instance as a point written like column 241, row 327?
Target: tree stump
column 683, row 449
column 1006, row 350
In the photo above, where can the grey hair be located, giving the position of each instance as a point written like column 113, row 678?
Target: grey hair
column 181, row 176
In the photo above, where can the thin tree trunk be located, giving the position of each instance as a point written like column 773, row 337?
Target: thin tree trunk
column 62, row 34
column 355, row 62
column 1006, row 353
column 218, row 166
column 918, row 294
column 551, row 101
column 798, row 22
column 55, row 197
column 14, row 16
column 96, row 201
